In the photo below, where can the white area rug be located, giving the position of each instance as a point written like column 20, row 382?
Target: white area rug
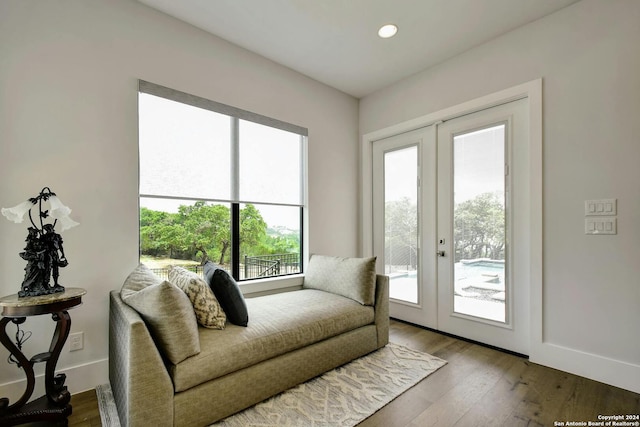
column 108, row 410
column 343, row 397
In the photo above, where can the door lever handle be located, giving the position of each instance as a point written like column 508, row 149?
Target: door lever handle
column 441, row 253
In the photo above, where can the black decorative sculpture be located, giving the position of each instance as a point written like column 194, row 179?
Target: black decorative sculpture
column 43, row 252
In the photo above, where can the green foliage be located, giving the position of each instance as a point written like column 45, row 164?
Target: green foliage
column 159, row 233
column 479, row 228
column 401, row 231
column 253, row 229
column 206, row 230
column 202, row 232
column 277, row 244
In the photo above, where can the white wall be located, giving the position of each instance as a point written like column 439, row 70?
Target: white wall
column 589, row 60
column 68, row 120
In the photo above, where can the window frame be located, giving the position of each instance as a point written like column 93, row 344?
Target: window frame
column 234, row 201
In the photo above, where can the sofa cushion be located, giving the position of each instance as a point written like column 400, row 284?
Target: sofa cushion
column 166, row 310
column 228, row 293
column 208, row 311
column 353, row 278
column 279, row 324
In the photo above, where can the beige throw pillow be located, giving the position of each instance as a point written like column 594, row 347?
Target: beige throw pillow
column 208, row 311
column 353, row 278
column 167, row 312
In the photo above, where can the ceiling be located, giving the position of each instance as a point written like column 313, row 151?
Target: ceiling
column 336, row 41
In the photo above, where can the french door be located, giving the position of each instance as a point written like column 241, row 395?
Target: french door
column 450, row 218
column 404, row 222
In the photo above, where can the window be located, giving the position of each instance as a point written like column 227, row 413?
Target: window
column 218, row 183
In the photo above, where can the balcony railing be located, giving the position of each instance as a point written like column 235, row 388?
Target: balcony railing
column 163, row 273
column 271, row 265
column 254, row 267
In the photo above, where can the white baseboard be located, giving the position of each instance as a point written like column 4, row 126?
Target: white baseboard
column 609, row 371
column 79, row 378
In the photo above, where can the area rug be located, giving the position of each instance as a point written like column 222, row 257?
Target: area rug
column 342, row 397
column 108, row 410
column 345, row 396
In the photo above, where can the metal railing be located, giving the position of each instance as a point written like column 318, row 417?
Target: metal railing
column 271, row 265
column 163, row 273
column 254, row 267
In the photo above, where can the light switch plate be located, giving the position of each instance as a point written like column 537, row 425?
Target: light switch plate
column 602, row 207
column 597, row 226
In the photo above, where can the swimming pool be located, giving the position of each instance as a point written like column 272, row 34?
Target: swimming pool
column 483, row 274
column 480, row 273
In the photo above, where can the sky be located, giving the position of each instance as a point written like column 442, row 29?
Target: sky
column 478, row 166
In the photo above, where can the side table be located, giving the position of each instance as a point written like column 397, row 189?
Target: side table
column 54, row 406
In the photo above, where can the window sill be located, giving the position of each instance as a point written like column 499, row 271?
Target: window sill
column 271, row 284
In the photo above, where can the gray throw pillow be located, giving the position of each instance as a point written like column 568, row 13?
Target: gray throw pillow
column 166, row 310
column 353, row 278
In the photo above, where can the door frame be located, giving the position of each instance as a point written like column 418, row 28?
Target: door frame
column 532, row 91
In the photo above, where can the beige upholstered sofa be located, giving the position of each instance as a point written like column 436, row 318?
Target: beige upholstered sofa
column 290, row 338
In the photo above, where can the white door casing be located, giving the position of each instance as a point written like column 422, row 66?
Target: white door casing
column 528, row 231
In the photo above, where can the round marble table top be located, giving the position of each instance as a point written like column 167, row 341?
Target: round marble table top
column 51, row 299
column 15, row 306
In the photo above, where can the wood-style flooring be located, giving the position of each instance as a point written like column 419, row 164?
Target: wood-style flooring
column 478, row 387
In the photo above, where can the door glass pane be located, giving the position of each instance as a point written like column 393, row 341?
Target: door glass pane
column 401, row 223
column 479, row 223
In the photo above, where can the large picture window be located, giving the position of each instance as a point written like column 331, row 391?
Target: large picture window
column 218, row 184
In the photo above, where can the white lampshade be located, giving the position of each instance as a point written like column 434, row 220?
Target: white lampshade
column 58, row 210
column 66, row 223
column 17, row 213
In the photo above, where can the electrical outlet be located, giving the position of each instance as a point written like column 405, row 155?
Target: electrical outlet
column 76, row 341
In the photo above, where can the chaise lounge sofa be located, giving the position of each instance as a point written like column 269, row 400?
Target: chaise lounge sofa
column 341, row 313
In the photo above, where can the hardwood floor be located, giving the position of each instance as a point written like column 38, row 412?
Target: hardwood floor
column 85, row 410
column 485, row 387
column 478, row 387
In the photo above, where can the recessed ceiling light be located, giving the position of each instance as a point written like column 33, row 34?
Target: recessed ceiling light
column 387, row 31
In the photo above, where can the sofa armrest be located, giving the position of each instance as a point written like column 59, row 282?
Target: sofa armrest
column 141, row 385
column 382, row 309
